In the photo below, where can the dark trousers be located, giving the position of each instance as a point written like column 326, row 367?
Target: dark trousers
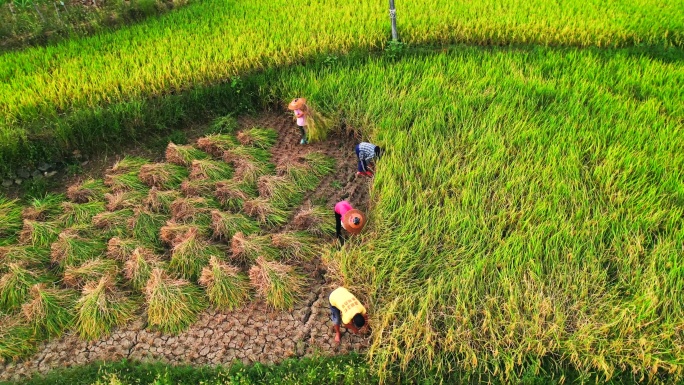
column 338, row 228
column 362, row 165
column 301, row 131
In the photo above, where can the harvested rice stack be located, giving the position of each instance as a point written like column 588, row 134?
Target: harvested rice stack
column 15, row 285
column 251, row 154
column 120, row 248
column 265, row 212
column 315, row 220
column 101, row 308
column 71, row 248
column 300, row 173
column 183, row 155
column 296, row 246
column 217, row 144
column 246, row 248
column 115, row 221
column 172, row 304
column 43, row 209
column 225, row 225
column 39, row 234
column 93, row 270
column 280, row 190
column 17, row 338
column 227, row 288
column 80, row 213
column 193, row 210
column 139, row 266
column 258, row 137
column 10, row 220
column 210, row 169
column 47, row 310
column 88, row 191
column 197, row 187
column 232, row 194
column 190, row 254
column 26, row 255
column 277, row 283
column 159, row 201
column 321, row 165
column 127, row 164
column 125, row 199
column 145, row 226
column 124, row 175
column 163, row 175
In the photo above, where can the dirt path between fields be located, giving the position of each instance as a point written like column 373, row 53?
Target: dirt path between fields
column 253, row 333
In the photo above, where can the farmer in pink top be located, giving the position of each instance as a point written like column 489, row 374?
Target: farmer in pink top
column 348, row 218
column 301, row 112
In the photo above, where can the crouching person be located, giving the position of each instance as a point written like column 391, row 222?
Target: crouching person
column 345, row 309
column 348, row 218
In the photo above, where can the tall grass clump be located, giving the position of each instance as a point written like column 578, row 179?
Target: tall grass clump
column 315, row 220
column 278, row 284
column 210, row 169
column 80, row 213
column 226, row 124
column 43, row 209
column 247, row 248
column 139, row 265
column 92, row 270
column 263, row 138
column 172, row 304
column 48, row 310
column 72, row 248
column 227, row 288
column 17, row 339
column 90, row 190
column 15, row 285
column 183, row 155
column 100, row 308
column 190, row 254
column 225, row 225
column 217, row 144
column 10, row 220
column 163, row 175
column 265, row 212
column 39, row 234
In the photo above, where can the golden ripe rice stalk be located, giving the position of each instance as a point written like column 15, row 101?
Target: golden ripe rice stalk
column 42, row 209
column 213, row 170
column 163, row 175
column 90, row 190
column 172, row 304
column 159, row 201
column 217, row 144
column 101, row 308
column 183, row 155
column 277, row 283
column 190, row 254
column 246, row 248
column 227, row 288
column 48, row 310
column 92, row 270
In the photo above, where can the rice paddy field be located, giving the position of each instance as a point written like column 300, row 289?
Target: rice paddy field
column 527, row 216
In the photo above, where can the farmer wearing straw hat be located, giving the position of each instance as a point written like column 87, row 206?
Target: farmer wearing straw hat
column 366, row 152
column 348, row 218
column 301, row 112
column 346, row 309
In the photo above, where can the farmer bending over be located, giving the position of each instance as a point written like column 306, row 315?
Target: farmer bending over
column 348, row 218
column 346, row 309
column 365, row 152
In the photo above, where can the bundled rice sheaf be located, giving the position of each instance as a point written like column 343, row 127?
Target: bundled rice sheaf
column 227, row 288
column 39, row 234
column 217, row 144
column 43, row 209
column 159, row 201
column 80, row 213
column 300, row 173
column 251, row 154
column 92, row 270
column 145, row 225
column 213, row 170
column 128, row 181
column 163, row 175
column 296, row 246
column 263, row 138
column 246, row 248
column 265, row 212
column 10, row 220
column 23, row 254
column 115, row 221
column 233, row 193
column 225, row 225
column 249, row 171
column 172, row 232
column 48, row 310
column 321, row 164
column 190, row 254
column 139, row 266
column 101, row 308
column 71, row 248
column 172, row 304
column 17, row 339
column 197, row 187
column 277, row 283
column 90, row 190
column 280, row 190
column 316, row 220
column 121, row 248
column 127, row 164
column 183, row 155
column 195, row 210
column 15, row 285
column 125, row 199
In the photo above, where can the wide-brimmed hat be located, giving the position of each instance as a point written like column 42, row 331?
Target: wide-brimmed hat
column 354, row 220
column 297, row 104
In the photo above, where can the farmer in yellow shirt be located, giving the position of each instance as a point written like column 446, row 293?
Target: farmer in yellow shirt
column 346, row 309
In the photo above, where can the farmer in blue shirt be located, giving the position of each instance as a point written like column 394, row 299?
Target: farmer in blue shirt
column 366, row 152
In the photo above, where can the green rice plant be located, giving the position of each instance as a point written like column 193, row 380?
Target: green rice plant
column 233, row 193
column 100, row 308
column 48, row 310
column 225, row 225
column 71, row 248
column 127, row 165
column 113, row 221
column 90, row 190
column 127, row 181
column 223, row 125
column 296, row 246
column 316, row 220
column 196, row 210
column 190, row 254
column 263, row 138
column 281, row 191
column 183, row 155
column 79, row 213
column 276, row 283
column 246, row 248
column 10, row 219
column 121, row 248
column 172, row 304
column 39, row 234
column 24, row 255
column 266, row 212
column 139, row 265
column 216, row 144
column 251, row 154
column 145, row 225
column 15, row 286
column 125, row 199
column 92, row 270
column 300, row 173
column 42, row 209
column 17, row 339
column 159, row 201
column 321, row 164
column 197, row 187
column 227, row 288
column 211, row 169
column 163, row 175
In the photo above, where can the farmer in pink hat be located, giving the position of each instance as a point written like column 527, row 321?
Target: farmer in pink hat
column 349, row 218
